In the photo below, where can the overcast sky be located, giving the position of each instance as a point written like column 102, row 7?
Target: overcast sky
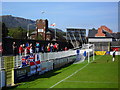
column 67, row 14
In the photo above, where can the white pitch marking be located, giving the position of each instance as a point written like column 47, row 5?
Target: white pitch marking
column 70, row 75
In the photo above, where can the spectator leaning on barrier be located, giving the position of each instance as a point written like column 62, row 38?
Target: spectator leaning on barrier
column 65, row 49
column 14, row 48
column 23, row 45
column 28, row 49
column 51, row 47
column 20, row 50
column 48, row 47
column 25, row 51
column 55, row 47
column 31, row 49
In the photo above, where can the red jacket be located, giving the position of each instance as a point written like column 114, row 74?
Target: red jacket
column 55, row 46
column 20, row 49
column 28, row 49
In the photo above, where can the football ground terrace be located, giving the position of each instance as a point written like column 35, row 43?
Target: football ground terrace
column 99, row 73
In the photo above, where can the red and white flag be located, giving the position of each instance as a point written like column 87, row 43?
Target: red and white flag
column 53, row 24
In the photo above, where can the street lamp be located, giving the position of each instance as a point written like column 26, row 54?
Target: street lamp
column 28, row 31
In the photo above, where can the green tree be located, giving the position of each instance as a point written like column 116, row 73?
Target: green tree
column 17, row 33
column 4, row 30
column 40, row 37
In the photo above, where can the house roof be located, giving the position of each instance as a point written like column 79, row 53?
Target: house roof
column 92, row 33
column 116, row 35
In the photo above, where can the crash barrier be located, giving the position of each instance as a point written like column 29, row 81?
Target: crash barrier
column 2, row 78
column 40, row 63
column 19, row 68
column 41, row 66
column 21, row 73
column 24, row 60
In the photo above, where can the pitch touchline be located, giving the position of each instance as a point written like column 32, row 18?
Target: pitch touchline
column 90, row 82
column 69, row 75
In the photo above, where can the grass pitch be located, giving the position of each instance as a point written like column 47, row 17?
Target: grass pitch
column 100, row 73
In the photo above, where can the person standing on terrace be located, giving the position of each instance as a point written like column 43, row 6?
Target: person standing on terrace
column 14, row 48
column 37, row 47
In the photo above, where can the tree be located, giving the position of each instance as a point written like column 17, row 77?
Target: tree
column 4, row 30
column 40, row 37
column 18, row 33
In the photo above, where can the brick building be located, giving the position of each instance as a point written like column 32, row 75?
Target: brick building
column 103, row 38
column 43, row 32
column 41, row 28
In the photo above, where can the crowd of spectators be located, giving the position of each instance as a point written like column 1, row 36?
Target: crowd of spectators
column 29, row 48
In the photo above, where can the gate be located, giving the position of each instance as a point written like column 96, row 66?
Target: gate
column 9, row 65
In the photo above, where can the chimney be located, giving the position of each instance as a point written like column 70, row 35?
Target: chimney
column 100, row 33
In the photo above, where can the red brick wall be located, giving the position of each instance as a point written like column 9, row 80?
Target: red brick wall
column 100, row 33
column 106, row 29
column 42, row 24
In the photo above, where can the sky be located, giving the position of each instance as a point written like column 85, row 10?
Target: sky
column 84, row 15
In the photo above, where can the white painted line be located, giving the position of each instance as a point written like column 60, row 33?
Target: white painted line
column 90, row 82
column 68, row 76
column 71, row 75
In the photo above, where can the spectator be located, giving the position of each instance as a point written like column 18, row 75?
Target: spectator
column 27, row 44
column 25, row 51
column 31, row 49
column 20, row 50
column 55, row 47
column 51, row 47
column 37, row 47
column 14, row 48
column 42, row 48
column 48, row 47
column 28, row 50
column 23, row 45
column 65, row 49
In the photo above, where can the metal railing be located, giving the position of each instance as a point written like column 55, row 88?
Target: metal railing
column 46, row 56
